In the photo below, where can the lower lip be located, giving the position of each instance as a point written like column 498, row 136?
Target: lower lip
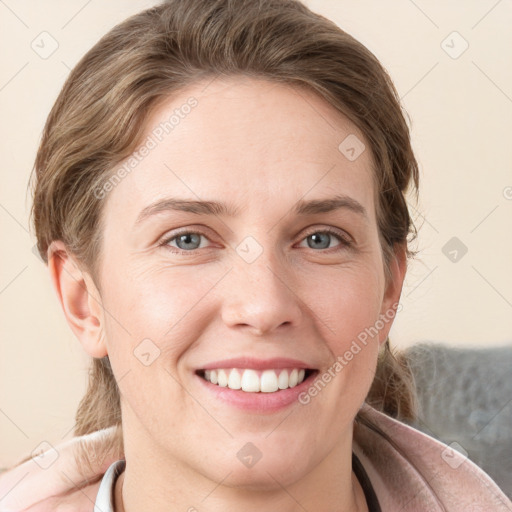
column 259, row 402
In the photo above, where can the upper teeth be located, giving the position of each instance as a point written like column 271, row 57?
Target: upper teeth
column 252, row 381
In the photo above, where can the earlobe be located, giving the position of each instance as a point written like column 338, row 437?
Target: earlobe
column 398, row 268
column 79, row 298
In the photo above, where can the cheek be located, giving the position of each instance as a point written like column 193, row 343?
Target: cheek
column 153, row 318
column 347, row 314
column 159, row 305
column 345, row 301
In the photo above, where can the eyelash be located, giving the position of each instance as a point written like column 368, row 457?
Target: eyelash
column 345, row 243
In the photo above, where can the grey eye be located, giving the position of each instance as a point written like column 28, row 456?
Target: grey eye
column 319, row 240
column 188, row 241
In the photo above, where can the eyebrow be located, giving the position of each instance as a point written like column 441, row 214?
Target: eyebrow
column 302, row 207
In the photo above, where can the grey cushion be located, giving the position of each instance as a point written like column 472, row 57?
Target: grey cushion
column 465, row 395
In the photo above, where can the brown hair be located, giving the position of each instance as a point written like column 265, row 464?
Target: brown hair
column 99, row 117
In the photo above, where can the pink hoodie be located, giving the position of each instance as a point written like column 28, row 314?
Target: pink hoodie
column 432, row 478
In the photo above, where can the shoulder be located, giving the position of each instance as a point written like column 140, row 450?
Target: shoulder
column 417, row 472
column 70, row 482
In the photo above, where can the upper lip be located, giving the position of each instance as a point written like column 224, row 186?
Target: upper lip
column 257, row 364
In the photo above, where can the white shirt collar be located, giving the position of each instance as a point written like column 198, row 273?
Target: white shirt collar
column 105, row 497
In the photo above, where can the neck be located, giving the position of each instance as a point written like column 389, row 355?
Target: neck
column 354, row 502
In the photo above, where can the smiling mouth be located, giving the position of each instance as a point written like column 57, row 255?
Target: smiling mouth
column 256, row 381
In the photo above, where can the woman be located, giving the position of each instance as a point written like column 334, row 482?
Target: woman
column 220, row 198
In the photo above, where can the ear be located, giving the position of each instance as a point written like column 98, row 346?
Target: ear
column 79, row 298
column 397, row 268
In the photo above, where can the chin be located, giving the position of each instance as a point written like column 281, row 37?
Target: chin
column 268, row 473
column 263, row 480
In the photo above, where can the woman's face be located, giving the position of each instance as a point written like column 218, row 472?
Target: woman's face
column 258, row 280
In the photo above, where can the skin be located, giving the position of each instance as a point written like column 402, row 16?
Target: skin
column 261, row 147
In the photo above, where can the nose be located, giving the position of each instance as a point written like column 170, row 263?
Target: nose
column 261, row 296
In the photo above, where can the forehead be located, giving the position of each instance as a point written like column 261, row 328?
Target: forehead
column 249, row 141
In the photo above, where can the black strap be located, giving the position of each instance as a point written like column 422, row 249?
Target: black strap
column 369, row 493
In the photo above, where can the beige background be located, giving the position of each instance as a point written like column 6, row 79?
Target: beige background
column 461, row 111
